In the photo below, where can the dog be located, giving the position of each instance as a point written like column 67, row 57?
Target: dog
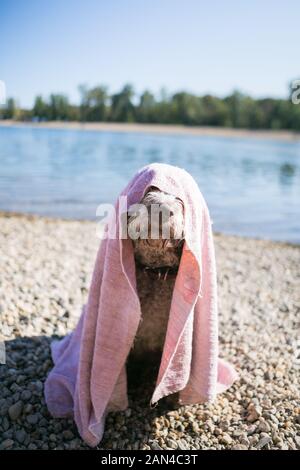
column 157, row 257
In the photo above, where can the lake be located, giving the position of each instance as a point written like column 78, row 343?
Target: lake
column 252, row 186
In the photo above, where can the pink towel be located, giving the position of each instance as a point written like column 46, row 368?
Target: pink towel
column 89, row 376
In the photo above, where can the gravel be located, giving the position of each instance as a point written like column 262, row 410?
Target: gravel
column 45, row 270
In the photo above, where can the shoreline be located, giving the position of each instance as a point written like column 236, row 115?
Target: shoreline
column 160, row 129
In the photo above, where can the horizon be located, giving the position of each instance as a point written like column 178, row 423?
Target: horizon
column 200, row 49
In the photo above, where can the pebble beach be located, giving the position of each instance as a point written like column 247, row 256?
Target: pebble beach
column 45, row 271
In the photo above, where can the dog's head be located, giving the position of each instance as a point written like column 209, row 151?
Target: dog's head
column 156, row 227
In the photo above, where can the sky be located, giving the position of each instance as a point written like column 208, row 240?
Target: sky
column 193, row 45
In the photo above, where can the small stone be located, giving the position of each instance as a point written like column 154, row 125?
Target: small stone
column 5, row 424
column 263, row 442
column 239, row 447
column 15, row 410
column 195, row 427
column 285, row 446
column 20, row 436
column 26, row 395
column 32, row 419
column 67, row 435
column 244, row 441
column 251, row 429
column 73, row 444
column 264, row 427
column 254, row 412
column 38, row 385
column 226, row 439
column 32, row 447
column 274, row 419
column 28, row 408
column 297, row 441
column 217, row 431
column 182, row 444
column 171, row 443
column 6, row 444
column 155, row 446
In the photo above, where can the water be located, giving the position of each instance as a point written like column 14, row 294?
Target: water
column 252, row 186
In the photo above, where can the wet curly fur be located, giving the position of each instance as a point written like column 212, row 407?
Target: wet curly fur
column 157, row 261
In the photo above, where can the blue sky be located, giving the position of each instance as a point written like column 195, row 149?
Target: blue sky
column 198, row 46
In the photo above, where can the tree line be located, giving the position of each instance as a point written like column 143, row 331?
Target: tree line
column 97, row 105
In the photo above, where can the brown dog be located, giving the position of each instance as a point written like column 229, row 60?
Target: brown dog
column 157, row 258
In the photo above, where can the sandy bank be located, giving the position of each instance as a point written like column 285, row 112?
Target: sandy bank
column 166, row 129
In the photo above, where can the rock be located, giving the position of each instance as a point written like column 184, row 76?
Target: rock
column 226, row 439
column 239, row 447
column 264, row 427
column 182, row 444
column 15, row 410
column 67, row 435
column 284, row 446
column 28, row 408
column 195, row 427
column 20, row 436
column 297, row 441
column 251, row 429
column 5, row 424
column 171, row 443
column 155, row 446
column 244, row 441
column 32, row 446
column 263, row 442
column 38, row 386
column 32, row 419
column 254, row 412
column 6, row 444
column 26, row 395
column 274, row 419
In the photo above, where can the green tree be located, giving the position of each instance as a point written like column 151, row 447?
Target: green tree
column 11, row 109
column 40, row 108
column 186, row 109
column 58, row 107
column 237, row 110
column 94, row 103
column 122, row 109
column 146, row 109
column 163, row 113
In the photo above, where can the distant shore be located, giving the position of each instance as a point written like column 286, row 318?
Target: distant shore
column 165, row 129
